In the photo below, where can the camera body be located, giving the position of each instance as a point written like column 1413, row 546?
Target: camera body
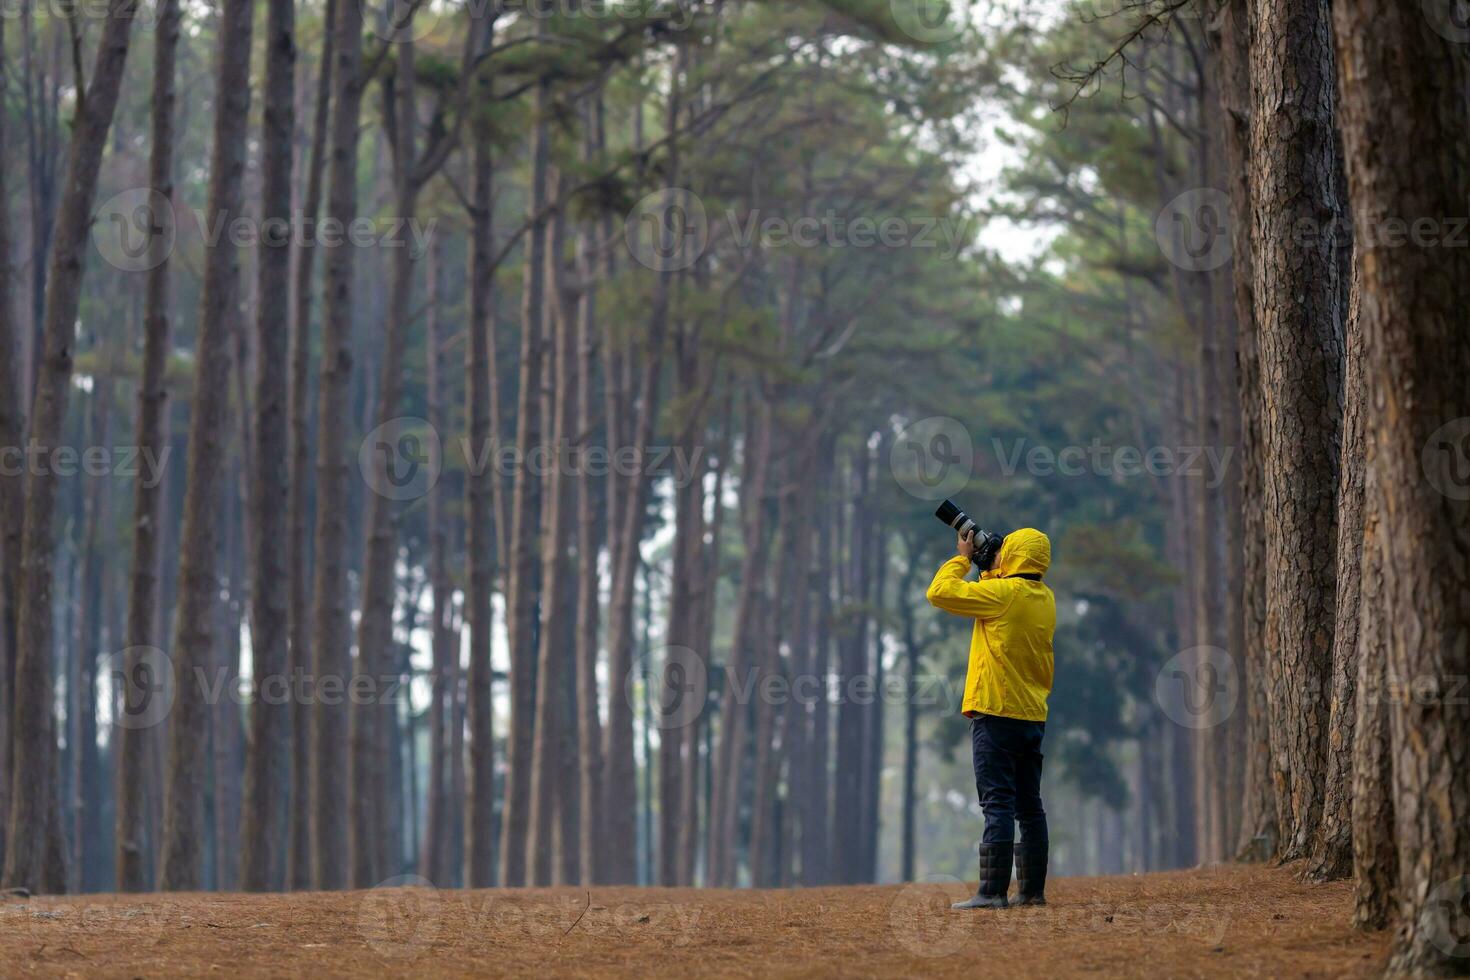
column 987, row 543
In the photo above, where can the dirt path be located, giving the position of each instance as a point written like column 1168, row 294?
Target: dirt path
column 1229, row 922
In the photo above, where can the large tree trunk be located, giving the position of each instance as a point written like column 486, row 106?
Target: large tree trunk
column 480, row 538
column 331, row 624
column 194, row 633
column 302, row 806
column 1293, row 185
column 31, row 859
column 136, row 776
column 12, row 486
column 267, row 752
column 1405, row 100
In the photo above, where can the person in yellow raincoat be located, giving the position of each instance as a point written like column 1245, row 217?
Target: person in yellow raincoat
column 1006, row 687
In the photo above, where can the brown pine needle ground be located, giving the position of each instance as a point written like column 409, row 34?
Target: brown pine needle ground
column 1232, row 921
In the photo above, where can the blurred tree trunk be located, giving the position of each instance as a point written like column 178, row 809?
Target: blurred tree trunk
column 1297, row 296
column 137, row 778
column 302, row 804
column 331, row 622
column 12, row 485
column 33, row 858
column 481, row 540
column 526, row 510
column 195, row 630
column 1405, row 99
column 852, row 749
column 816, row 836
column 546, row 761
column 268, row 750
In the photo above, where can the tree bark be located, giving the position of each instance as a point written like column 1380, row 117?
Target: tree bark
column 331, row 623
column 31, row 859
column 12, row 486
column 1293, row 186
column 1405, row 99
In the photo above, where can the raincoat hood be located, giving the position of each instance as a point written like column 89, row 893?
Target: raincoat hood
column 1024, row 552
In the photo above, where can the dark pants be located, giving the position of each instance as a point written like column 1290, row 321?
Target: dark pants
column 1008, row 777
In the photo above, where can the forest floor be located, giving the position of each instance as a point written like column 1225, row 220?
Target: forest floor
column 1230, row 921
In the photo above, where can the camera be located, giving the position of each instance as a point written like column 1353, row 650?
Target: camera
column 987, row 543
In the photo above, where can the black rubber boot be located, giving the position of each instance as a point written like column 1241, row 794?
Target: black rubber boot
column 995, row 878
column 1031, row 873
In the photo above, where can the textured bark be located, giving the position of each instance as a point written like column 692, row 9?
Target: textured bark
column 298, row 847
column 1375, row 858
column 268, row 750
column 1332, row 845
column 480, row 538
column 1406, row 96
column 331, row 625
column 194, row 632
column 1293, row 171
column 1229, row 37
column 526, row 514
column 32, row 859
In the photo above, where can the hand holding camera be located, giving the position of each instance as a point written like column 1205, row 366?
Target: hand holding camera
column 980, row 546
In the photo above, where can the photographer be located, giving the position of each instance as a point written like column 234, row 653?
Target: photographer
column 1006, row 686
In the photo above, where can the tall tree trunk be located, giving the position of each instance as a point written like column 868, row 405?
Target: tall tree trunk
column 331, row 624
column 268, row 758
column 1293, row 166
column 12, row 486
column 368, row 798
column 1332, row 845
column 303, row 804
column 526, row 512
column 480, row 537
column 136, row 777
column 434, row 849
column 1405, row 99
column 31, row 860
column 194, row 633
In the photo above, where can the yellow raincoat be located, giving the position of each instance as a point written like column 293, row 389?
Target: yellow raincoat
column 1010, row 669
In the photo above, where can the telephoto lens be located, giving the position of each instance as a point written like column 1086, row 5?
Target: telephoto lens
column 987, row 545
